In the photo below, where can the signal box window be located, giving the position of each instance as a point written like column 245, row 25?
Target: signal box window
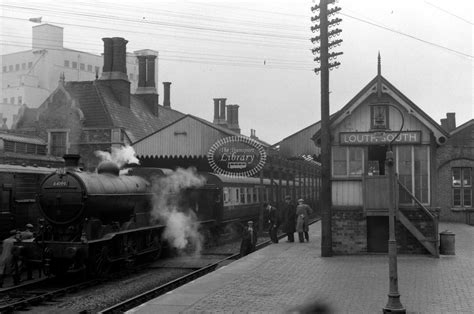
column 58, row 143
column 462, row 187
column 347, row 161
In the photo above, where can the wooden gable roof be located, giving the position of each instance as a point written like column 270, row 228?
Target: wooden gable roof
column 393, row 92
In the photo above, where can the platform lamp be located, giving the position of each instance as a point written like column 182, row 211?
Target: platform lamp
column 393, row 305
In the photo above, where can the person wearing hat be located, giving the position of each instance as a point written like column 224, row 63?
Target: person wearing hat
column 289, row 219
column 302, row 221
column 249, row 239
column 273, row 221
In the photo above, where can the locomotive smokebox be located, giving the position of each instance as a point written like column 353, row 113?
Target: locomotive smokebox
column 71, row 161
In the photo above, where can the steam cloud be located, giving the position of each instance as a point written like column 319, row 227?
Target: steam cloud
column 168, row 206
column 121, row 156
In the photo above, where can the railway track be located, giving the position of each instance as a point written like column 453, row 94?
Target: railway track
column 156, row 292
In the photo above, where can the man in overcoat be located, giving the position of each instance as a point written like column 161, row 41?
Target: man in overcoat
column 273, row 221
column 302, row 221
column 289, row 219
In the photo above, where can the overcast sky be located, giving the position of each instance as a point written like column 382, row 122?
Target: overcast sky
column 257, row 53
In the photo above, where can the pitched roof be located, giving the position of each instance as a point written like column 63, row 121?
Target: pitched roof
column 101, row 109
column 463, row 126
column 219, row 128
column 391, row 90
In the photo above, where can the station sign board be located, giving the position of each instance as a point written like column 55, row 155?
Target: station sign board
column 237, row 156
column 379, row 138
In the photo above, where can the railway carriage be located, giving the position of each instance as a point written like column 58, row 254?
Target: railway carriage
column 18, row 188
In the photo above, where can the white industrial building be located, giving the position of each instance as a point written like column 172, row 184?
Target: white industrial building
column 29, row 77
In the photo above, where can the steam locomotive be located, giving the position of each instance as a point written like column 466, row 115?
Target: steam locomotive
column 95, row 220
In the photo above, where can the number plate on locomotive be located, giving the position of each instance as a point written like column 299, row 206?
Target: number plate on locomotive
column 60, row 184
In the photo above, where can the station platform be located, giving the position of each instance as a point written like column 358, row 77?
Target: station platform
column 294, row 278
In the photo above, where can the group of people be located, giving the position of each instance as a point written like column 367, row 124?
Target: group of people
column 291, row 219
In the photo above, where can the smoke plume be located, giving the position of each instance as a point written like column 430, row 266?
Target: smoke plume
column 171, row 207
column 121, row 156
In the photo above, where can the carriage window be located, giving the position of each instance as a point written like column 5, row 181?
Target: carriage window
column 242, row 195
column 5, row 196
column 226, row 195
column 255, row 195
column 249, row 195
column 236, row 195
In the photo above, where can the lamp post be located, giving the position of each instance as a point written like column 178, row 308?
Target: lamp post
column 393, row 305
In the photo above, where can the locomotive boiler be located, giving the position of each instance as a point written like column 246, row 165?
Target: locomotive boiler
column 93, row 220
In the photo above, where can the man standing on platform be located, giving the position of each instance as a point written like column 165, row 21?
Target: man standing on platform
column 289, row 219
column 302, row 221
column 273, row 221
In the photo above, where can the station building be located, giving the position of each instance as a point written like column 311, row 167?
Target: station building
column 361, row 132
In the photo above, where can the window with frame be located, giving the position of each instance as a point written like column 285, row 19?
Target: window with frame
column 243, row 192
column 74, row 65
column 462, row 187
column 347, row 161
column 58, row 143
column 379, row 117
column 66, row 63
column 226, row 195
column 413, row 172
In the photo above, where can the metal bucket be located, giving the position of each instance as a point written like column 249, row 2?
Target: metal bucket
column 446, row 243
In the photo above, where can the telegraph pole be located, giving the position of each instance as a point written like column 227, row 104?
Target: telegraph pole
column 325, row 65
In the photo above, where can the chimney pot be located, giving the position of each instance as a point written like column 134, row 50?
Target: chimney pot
column 222, row 112
column 108, row 51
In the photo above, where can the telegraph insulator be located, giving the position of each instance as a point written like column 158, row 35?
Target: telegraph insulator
column 317, row 59
column 315, row 28
column 332, row 44
column 315, row 8
column 317, row 70
column 315, row 39
column 334, row 64
column 335, row 21
column 333, row 11
column 314, row 18
column 334, row 54
column 334, row 32
column 315, row 50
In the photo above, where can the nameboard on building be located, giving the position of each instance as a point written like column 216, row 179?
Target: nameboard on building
column 237, row 156
column 379, row 138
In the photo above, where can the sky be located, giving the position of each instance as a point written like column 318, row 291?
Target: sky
column 257, row 54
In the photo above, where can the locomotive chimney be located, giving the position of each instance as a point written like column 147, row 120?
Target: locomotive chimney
column 71, row 161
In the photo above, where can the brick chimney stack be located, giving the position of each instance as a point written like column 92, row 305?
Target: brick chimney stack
column 114, row 72
column 222, row 119
column 449, row 123
column 233, row 118
column 216, row 111
column 146, row 89
column 166, row 99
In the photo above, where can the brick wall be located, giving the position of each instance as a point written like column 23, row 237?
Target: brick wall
column 349, row 231
column 457, row 152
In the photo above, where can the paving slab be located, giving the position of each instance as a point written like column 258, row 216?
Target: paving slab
column 287, row 277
